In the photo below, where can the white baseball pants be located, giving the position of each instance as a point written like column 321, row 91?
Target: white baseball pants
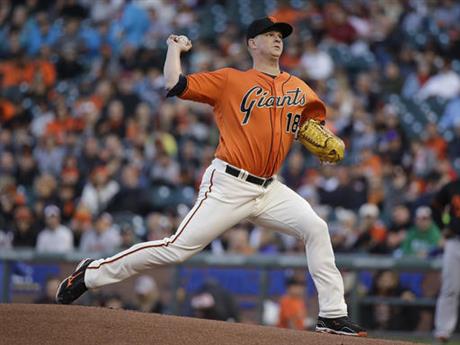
column 224, row 201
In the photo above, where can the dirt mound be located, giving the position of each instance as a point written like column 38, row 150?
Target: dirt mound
column 51, row 324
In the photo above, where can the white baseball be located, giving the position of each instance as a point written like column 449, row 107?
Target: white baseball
column 183, row 38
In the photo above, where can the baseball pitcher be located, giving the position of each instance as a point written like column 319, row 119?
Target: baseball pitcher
column 259, row 113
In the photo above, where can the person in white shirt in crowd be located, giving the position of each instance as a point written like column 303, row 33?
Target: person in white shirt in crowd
column 444, row 84
column 105, row 237
column 99, row 190
column 317, row 63
column 55, row 237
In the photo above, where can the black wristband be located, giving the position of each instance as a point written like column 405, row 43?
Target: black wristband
column 179, row 88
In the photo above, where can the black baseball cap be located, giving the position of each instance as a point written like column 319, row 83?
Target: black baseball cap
column 266, row 24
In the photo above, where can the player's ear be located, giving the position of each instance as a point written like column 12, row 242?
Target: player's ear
column 252, row 43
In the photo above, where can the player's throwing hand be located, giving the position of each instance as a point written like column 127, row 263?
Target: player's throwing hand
column 182, row 42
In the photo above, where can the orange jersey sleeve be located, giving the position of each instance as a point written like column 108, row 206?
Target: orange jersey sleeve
column 314, row 108
column 205, row 87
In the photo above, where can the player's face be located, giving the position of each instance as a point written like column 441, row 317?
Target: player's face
column 270, row 43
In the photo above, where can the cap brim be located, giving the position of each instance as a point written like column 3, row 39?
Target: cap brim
column 285, row 29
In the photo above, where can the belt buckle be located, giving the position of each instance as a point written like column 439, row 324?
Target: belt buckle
column 244, row 175
column 267, row 182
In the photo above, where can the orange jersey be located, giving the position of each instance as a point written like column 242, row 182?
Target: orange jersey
column 257, row 115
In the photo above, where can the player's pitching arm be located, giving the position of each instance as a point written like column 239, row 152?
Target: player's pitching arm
column 172, row 68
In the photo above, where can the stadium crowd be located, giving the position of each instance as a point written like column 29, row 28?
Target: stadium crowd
column 93, row 157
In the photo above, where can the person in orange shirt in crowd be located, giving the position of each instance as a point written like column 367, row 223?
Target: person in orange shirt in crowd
column 434, row 140
column 293, row 311
column 16, row 71
column 285, row 13
column 7, row 110
column 63, row 124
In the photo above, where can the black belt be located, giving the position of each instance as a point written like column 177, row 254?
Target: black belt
column 264, row 182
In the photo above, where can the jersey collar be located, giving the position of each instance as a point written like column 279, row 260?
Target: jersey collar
column 280, row 77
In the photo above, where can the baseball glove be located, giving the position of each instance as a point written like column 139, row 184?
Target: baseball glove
column 321, row 141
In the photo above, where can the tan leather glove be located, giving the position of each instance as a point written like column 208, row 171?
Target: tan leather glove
column 321, row 141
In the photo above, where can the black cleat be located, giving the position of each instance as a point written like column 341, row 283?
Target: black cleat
column 340, row 325
column 74, row 285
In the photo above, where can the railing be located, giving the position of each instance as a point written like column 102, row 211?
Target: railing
column 264, row 263
column 353, row 262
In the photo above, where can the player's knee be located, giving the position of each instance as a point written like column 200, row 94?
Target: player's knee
column 317, row 229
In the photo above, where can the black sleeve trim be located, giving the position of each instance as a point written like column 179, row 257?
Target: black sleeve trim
column 179, row 88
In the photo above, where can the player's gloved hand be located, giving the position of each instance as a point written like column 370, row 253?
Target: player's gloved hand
column 182, row 42
column 321, row 141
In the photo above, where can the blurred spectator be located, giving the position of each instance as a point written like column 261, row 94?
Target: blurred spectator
column 158, row 227
column 7, row 164
column 55, row 238
column 213, row 302
column 114, row 122
column 372, row 233
column 68, row 66
column 337, row 24
column 393, row 81
column 40, row 33
column 424, row 159
column 45, row 186
column 128, row 236
column 165, row 171
column 265, row 241
column 8, row 201
column 238, row 241
column 131, row 197
column 48, row 295
column 417, row 79
column 6, row 239
column 89, row 157
column 336, row 185
column 424, row 237
column 113, row 301
column 400, row 223
column 293, row 312
column 434, row 141
column 293, row 172
column 98, row 192
column 454, row 145
column 387, row 316
column 450, row 117
column 27, row 169
column 67, row 201
column 24, row 228
column 147, row 295
column 317, row 63
column 103, row 238
column 344, row 231
column 445, row 84
column 81, row 223
column 49, row 155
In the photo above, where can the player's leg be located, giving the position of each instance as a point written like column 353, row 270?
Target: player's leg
column 284, row 210
column 219, row 206
column 447, row 304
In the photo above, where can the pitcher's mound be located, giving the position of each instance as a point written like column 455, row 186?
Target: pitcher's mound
column 56, row 324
